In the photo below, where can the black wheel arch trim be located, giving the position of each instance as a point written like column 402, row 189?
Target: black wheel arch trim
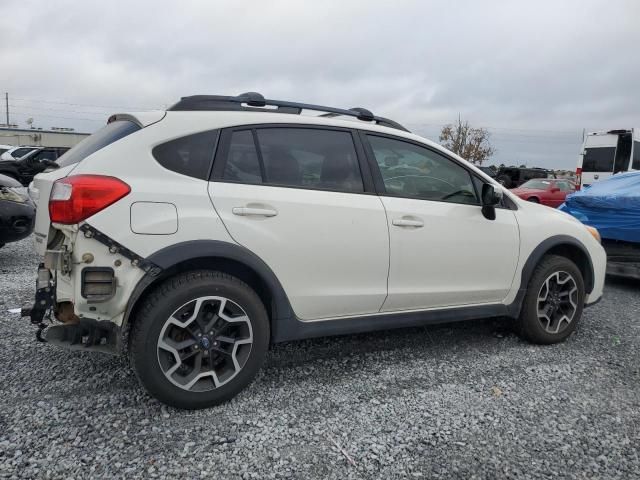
column 172, row 255
column 285, row 326
column 534, row 258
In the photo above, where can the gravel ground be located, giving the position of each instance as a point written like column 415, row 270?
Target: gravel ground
column 467, row 400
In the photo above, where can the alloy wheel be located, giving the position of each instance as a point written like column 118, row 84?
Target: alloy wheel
column 557, row 302
column 205, row 343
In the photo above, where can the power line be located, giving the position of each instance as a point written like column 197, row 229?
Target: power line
column 37, row 100
column 58, row 110
column 62, row 117
column 439, row 125
column 497, row 130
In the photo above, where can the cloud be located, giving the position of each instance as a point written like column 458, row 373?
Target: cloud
column 539, row 72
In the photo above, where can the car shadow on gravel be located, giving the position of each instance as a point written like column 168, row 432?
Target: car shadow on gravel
column 91, row 373
column 434, row 338
column 629, row 284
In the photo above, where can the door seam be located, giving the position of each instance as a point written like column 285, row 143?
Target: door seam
column 386, row 215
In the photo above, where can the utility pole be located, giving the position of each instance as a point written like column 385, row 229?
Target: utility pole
column 6, row 102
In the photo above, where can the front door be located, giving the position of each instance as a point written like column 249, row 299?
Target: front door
column 295, row 197
column 444, row 252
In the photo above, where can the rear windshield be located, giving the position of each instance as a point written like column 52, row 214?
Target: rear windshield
column 114, row 131
column 598, row 159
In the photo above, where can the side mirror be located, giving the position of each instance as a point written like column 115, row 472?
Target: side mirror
column 491, row 196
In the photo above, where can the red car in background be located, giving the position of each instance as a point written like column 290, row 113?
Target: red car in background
column 546, row 191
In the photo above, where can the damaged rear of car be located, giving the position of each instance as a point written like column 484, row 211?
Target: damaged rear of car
column 76, row 282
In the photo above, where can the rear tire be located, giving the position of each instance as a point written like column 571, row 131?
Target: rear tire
column 533, row 200
column 199, row 339
column 553, row 304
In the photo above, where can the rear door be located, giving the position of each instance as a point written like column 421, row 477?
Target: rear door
column 444, row 252
column 296, row 196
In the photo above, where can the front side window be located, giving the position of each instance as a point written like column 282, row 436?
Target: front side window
column 45, row 155
column 598, row 159
column 409, row 170
column 191, row 155
column 311, row 158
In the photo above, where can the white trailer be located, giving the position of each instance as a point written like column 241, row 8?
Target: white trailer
column 606, row 153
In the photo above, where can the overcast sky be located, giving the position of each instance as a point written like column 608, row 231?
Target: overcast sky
column 535, row 73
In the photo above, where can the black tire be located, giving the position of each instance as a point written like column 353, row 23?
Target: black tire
column 504, row 180
column 533, row 200
column 529, row 325
column 170, row 296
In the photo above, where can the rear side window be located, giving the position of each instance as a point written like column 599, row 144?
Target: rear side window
column 598, row 159
column 242, row 163
column 191, row 155
column 108, row 134
column 310, row 158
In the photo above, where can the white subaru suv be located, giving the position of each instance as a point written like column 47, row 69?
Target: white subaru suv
column 194, row 238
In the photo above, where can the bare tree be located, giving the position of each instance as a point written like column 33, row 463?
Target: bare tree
column 470, row 143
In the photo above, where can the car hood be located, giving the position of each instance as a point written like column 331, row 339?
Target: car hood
column 528, row 191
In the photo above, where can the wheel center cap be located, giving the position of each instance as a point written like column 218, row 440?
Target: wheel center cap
column 205, row 342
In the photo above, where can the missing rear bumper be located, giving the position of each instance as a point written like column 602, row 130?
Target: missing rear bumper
column 86, row 335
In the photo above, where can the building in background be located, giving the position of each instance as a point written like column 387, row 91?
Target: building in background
column 55, row 137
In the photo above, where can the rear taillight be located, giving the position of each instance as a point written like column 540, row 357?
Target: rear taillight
column 76, row 198
column 578, row 178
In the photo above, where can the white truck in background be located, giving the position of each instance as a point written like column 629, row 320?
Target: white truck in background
column 606, row 153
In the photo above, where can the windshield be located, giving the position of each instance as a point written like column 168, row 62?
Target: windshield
column 105, row 136
column 536, row 184
column 598, row 159
column 21, row 152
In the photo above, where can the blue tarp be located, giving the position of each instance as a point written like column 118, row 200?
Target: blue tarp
column 612, row 206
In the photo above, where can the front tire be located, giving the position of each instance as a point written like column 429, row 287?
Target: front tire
column 553, row 304
column 199, row 339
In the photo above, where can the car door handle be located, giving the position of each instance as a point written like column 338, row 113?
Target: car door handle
column 262, row 212
column 407, row 222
